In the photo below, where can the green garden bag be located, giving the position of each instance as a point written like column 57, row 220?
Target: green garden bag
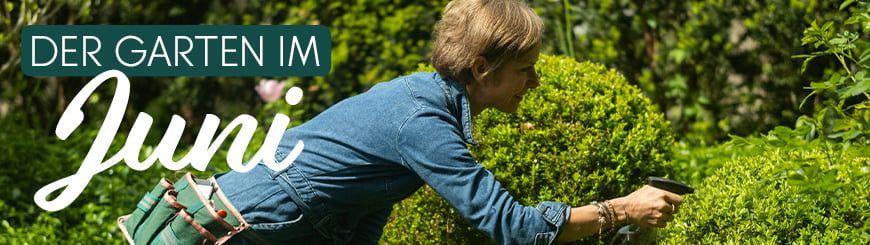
column 190, row 211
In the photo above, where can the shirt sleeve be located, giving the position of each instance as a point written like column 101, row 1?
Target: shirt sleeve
column 431, row 145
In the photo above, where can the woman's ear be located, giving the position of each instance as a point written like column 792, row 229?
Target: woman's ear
column 478, row 68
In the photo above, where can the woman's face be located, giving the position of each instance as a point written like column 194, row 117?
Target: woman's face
column 504, row 87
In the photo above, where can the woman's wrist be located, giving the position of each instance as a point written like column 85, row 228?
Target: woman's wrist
column 584, row 221
column 620, row 208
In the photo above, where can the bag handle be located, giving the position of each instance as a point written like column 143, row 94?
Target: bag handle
column 199, row 228
column 208, row 205
column 244, row 228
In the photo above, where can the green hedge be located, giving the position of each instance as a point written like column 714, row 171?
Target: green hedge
column 585, row 134
column 713, row 66
column 788, row 191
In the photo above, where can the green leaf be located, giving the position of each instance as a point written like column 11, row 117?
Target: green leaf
column 801, row 56
column 865, row 56
column 846, row 4
column 827, row 26
column 677, row 55
column 835, row 80
column 807, row 39
column 806, row 62
column 855, row 19
column 844, row 124
column 652, row 23
column 820, row 117
column 856, row 89
column 820, row 86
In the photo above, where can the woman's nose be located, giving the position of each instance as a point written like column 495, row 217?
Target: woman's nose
column 533, row 80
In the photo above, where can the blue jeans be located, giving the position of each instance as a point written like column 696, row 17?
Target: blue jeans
column 269, row 209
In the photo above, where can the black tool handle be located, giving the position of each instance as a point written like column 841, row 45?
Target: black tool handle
column 670, row 185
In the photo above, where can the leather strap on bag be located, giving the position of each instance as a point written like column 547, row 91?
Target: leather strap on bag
column 183, row 200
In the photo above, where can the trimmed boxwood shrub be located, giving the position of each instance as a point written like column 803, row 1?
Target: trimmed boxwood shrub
column 585, row 134
column 774, row 194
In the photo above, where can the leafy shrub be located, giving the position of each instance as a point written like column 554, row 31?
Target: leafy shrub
column 843, row 99
column 585, row 134
column 782, row 190
column 807, row 184
column 694, row 163
column 712, row 66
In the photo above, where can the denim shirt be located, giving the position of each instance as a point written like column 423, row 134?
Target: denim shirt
column 370, row 151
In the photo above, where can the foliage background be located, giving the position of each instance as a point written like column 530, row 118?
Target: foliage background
column 716, row 69
column 713, row 67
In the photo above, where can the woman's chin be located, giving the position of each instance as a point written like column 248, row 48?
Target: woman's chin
column 509, row 108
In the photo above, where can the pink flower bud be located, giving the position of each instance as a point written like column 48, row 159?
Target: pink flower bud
column 270, row 90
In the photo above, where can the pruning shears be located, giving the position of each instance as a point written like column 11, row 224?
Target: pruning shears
column 632, row 234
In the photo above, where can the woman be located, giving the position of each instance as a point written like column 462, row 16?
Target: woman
column 370, row 151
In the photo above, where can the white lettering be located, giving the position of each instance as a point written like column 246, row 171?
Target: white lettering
column 159, row 43
column 33, row 50
column 90, row 53
column 135, row 51
column 225, row 50
column 257, row 56
column 183, row 53
column 312, row 43
column 198, row 157
column 64, row 50
column 205, row 46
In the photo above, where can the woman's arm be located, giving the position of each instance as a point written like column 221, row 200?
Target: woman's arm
column 647, row 206
column 584, row 222
column 431, row 146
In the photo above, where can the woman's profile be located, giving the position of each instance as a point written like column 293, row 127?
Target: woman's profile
column 370, row 151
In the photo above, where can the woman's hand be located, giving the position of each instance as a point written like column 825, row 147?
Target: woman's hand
column 649, row 206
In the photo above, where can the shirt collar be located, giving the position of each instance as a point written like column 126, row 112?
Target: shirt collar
column 460, row 106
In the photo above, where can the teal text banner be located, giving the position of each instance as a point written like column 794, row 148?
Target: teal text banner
column 176, row 50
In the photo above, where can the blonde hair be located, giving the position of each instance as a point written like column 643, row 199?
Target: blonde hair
column 498, row 30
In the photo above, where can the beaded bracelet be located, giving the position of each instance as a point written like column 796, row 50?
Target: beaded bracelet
column 606, row 216
column 612, row 212
column 602, row 217
column 611, row 217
